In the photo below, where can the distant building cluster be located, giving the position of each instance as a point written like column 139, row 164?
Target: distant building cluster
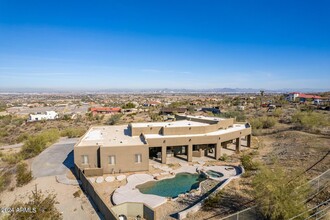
column 301, row 97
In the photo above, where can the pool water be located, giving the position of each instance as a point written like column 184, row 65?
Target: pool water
column 214, row 174
column 181, row 183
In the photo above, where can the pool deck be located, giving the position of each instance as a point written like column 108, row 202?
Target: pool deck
column 129, row 192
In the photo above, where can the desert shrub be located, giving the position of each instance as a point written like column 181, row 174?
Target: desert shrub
column 77, row 193
column 5, row 120
column 4, row 180
column 155, row 116
column 66, row 117
column 277, row 197
column 38, row 127
column 263, row 122
column 34, row 145
column 3, row 106
column 128, row 105
column 224, row 157
column 3, row 133
column 41, row 207
column 309, row 120
column 73, row 132
column 12, row 158
column 22, row 137
column 17, row 121
column 248, row 163
column 178, row 104
column 278, row 112
column 114, row 119
column 23, row 176
column 256, row 123
column 239, row 116
column 212, row 201
column 268, row 122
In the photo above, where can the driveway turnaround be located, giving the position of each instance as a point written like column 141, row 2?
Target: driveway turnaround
column 55, row 160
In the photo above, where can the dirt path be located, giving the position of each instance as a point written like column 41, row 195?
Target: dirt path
column 12, row 146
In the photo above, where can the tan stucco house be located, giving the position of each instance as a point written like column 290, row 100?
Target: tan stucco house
column 128, row 148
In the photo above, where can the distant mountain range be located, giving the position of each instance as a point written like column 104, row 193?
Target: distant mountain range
column 160, row 90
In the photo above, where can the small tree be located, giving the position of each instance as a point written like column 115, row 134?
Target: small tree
column 114, row 119
column 276, row 196
column 248, row 163
column 128, row 105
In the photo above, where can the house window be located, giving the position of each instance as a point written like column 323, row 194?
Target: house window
column 112, row 160
column 84, row 159
column 138, row 158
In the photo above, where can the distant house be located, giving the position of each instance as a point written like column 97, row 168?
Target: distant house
column 166, row 111
column 323, row 101
column 48, row 115
column 214, row 110
column 301, row 97
column 105, row 110
column 152, row 103
column 241, row 108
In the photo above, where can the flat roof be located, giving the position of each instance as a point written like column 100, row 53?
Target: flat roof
column 204, row 117
column 236, row 127
column 109, row 136
column 181, row 123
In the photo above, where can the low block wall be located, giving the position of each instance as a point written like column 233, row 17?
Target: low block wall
column 111, row 213
column 96, row 198
column 93, row 171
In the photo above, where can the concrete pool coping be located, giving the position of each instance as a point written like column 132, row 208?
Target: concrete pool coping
column 129, row 192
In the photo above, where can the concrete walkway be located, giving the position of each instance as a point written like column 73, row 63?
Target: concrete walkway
column 65, row 180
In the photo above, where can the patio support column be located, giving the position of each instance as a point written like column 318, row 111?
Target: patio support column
column 164, row 154
column 248, row 140
column 238, row 144
column 218, row 151
column 189, row 153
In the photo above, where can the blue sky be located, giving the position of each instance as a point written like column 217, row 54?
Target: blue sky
column 165, row 44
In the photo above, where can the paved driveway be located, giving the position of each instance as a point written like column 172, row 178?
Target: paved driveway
column 55, row 160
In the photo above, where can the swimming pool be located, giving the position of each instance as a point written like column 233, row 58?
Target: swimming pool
column 214, row 174
column 181, row 183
